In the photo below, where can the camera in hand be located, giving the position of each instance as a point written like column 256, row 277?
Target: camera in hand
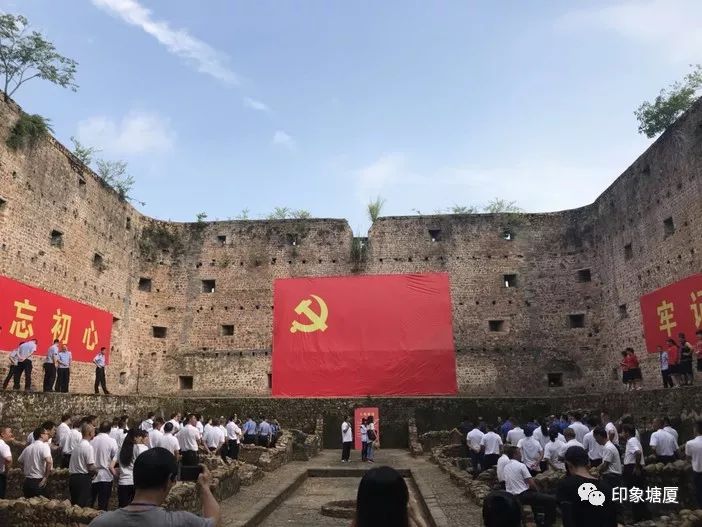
column 190, row 472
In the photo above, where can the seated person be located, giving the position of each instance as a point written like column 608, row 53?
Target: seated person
column 583, row 513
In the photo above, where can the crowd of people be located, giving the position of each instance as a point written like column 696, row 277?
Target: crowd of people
column 99, row 455
column 575, row 445
column 56, row 365
column 675, row 359
column 368, row 435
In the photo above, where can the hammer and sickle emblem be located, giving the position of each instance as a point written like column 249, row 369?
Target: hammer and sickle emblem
column 317, row 321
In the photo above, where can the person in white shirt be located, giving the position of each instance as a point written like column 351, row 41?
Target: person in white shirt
column 663, row 443
column 13, row 358
column 155, row 434
column 553, row 449
column 63, row 429
column 169, row 441
column 5, row 457
column 609, row 426
column 81, row 468
column 693, row 452
column 501, row 462
column 69, row 442
column 105, row 449
column 519, row 482
column 672, row 431
column 36, row 464
column 490, row 447
column 148, row 423
column 214, row 438
column 134, row 444
column 593, row 448
column 514, row 435
column 234, row 435
column 119, row 430
column 579, row 428
column 175, row 421
column 532, row 453
column 569, row 436
column 611, row 467
column 100, row 361
column 632, row 471
column 207, row 426
column 198, row 424
column 346, row 439
column 50, row 366
column 24, row 364
column 473, row 439
column 189, row 439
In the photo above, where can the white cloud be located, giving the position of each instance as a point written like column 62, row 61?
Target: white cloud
column 177, row 41
column 536, row 185
column 281, row 138
column 254, row 104
column 671, row 26
column 379, row 175
column 136, row 133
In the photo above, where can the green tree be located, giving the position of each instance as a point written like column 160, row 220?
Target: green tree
column 28, row 130
column 200, row 217
column 375, row 207
column 300, row 214
column 25, row 56
column 279, row 213
column 499, row 205
column 114, row 173
column 670, row 104
column 82, row 152
column 462, row 209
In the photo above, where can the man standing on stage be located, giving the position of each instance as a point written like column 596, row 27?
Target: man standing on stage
column 50, row 366
column 24, row 364
column 99, row 361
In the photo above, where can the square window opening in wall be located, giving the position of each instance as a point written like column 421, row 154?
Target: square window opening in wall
column 576, row 320
column 668, row 226
column 497, row 325
column 270, row 381
column 628, row 252
column 584, row 275
column 435, row 235
column 222, row 239
column 293, row 239
column 510, row 280
column 56, row 238
column 623, row 312
column 123, row 377
column 159, row 332
column 81, row 182
column 185, row 382
column 227, row 330
column 145, row 284
column 555, row 380
column 128, row 225
column 208, row 286
column 99, row 261
column 508, row 234
column 3, row 204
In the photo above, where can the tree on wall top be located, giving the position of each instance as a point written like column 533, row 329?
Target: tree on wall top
column 25, row 56
column 670, row 104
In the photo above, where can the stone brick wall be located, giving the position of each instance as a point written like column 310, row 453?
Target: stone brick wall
column 209, row 284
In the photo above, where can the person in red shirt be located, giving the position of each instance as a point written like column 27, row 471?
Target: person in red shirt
column 626, row 376
column 633, row 368
column 674, row 361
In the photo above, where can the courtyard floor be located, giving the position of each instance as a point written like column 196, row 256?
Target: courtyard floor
column 301, row 504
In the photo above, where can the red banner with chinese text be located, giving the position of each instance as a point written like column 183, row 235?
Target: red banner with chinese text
column 28, row 312
column 363, row 335
column 673, row 309
column 358, row 414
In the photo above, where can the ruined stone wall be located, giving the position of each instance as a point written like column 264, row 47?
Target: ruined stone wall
column 664, row 183
column 193, row 301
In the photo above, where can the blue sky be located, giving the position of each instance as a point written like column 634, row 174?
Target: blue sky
column 220, row 106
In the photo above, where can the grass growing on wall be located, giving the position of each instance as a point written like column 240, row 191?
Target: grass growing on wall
column 28, row 130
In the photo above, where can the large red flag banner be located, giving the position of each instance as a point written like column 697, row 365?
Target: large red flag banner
column 363, row 335
column 673, row 309
column 28, row 312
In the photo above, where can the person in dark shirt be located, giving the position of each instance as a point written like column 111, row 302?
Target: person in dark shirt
column 583, row 513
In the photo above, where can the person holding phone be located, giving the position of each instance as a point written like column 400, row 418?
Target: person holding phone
column 155, row 473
